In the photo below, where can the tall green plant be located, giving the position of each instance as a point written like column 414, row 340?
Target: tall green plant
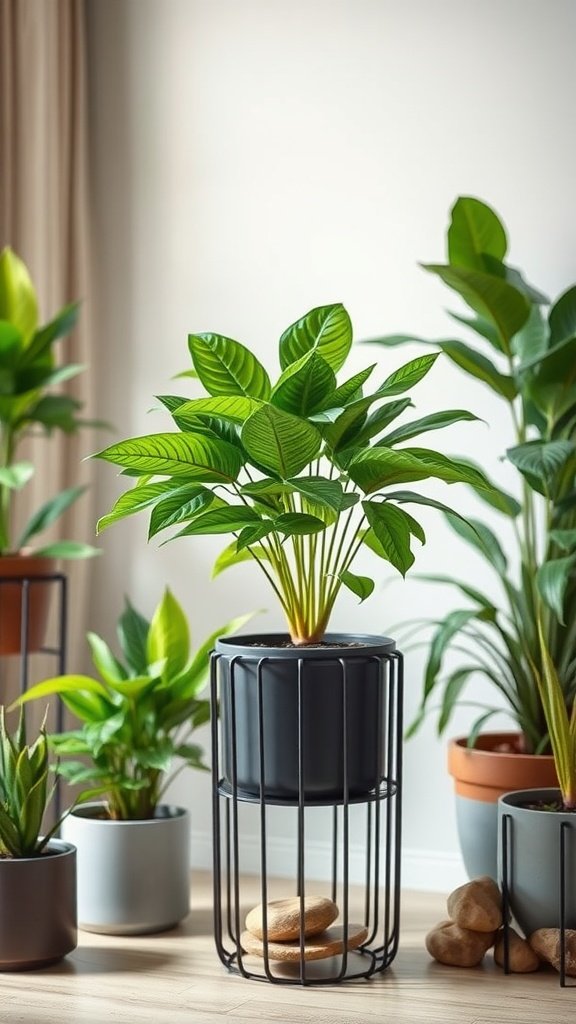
column 28, row 374
column 523, row 348
column 302, row 472
column 138, row 717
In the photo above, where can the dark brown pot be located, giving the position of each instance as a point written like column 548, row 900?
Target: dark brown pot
column 38, row 908
column 25, row 588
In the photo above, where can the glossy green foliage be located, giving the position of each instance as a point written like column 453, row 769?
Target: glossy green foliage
column 138, row 715
column 286, row 467
column 29, row 374
column 523, row 348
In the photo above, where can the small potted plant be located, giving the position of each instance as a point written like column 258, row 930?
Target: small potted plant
column 303, row 473
column 535, row 819
column 523, row 348
column 37, row 873
column 138, row 718
column 29, row 374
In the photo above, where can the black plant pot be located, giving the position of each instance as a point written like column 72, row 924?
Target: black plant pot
column 303, row 720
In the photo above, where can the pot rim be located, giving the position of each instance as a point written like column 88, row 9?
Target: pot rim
column 56, row 849
column 262, row 645
column 516, row 797
column 173, row 813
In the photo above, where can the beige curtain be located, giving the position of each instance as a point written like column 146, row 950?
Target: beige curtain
column 44, row 216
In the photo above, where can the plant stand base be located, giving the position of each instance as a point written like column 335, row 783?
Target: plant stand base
column 375, row 817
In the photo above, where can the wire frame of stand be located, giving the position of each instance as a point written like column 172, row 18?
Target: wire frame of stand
column 506, row 840
column 59, row 582
column 381, row 811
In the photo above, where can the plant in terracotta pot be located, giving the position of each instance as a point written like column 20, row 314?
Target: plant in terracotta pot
column 138, row 717
column 303, row 473
column 523, row 348
column 37, row 873
column 29, row 375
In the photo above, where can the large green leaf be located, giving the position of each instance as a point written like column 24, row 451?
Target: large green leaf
column 452, row 624
column 104, row 661
column 236, row 408
column 562, row 318
column 474, row 231
column 325, row 329
column 18, row 302
column 408, row 375
column 480, row 326
column 179, row 506
column 226, row 367
column 178, row 455
column 380, row 467
column 133, row 636
column 231, row 556
column 319, row 490
column 541, row 459
column 552, row 579
column 492, row 297
column 392, row 528
column 305, row 386
column 298, row 523
column 280, row 442
column 351, row 388
column 56, row 412
column 479, row 366
column 531, row 341
column 44, row 338
column 361, row 586
column 140, row 497
column 221, row 520
column 169, row 637
column 436, row 421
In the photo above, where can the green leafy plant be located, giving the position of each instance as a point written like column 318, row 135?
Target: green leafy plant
column 523, row 348
column 141, row 712
column 24, row 790
column 560, row 721
column 28, row 373
column 302, row 472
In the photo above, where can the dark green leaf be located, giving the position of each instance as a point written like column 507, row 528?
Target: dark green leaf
column 436, row 421
column 225, row 367
column 279, row 441
column 298, row 523
column 133, row 637
column 481, row 537
column 552, row 579
column 325, row 329
column 492, row 297
column 179, row 455
column 477, row 365
column 179, row 506
column 221, row 520
column 541, row 459
column 408, row 375
column 305, row 386
column 141, row 496
column 351, row 388
column 380, row 467
column 380, row 418
column 475, row 230
column 362, row 586
column 392, row 529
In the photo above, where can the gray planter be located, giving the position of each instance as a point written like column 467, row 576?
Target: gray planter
column 38, row 908
column 338, row 716
column 133, row 876
column 534, row 860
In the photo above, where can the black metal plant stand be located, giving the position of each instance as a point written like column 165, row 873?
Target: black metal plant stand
column 378, row 810
column 59, row 582
column 506, row 840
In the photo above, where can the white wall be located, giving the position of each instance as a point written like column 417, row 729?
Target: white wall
column 252, row 159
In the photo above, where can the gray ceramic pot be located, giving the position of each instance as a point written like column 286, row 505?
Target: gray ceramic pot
column 534, row 859
column 133, row 876
column 38, row 908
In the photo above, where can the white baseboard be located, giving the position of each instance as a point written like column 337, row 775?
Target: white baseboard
column 423, row 870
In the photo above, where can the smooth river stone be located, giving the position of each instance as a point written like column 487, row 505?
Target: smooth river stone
column 317, row 947
column 283, row 918
column 546, row 944
column 477, row 905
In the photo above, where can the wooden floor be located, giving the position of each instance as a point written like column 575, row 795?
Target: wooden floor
column 176, row 978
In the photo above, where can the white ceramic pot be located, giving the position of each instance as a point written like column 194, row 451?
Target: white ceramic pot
column 133, row 876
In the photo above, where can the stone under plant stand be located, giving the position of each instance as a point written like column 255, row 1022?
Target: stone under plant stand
column 364, row 834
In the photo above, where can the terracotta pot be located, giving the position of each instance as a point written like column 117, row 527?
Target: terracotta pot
column 482, row 775
column 24, row 603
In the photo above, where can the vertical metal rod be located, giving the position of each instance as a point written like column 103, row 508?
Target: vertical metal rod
column 235, row 838
column 345, row 821
column 334, row 853
column 216, row 841
column 301, row 836
column 564, row 826
column 368, row 879
column 24, row 624
column 62, row 651
column 398, row 660
column 263, row 863
column 505, row 850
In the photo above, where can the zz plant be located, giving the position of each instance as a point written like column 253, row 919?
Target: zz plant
column 302, row 472
column 139, row 714
column 523, row 348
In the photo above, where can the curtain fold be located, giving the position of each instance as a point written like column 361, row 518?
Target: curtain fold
column 44, row 217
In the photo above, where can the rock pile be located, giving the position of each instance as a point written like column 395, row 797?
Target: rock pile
column 475, row 926
column 283, row 919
